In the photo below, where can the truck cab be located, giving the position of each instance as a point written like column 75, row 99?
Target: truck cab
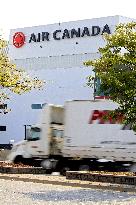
column 43, row 139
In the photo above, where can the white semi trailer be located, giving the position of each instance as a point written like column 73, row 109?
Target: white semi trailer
column 73, row 135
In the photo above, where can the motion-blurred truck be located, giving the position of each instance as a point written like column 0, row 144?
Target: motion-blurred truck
column 72, row 136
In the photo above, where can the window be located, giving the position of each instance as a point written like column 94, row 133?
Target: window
column 2, row 128
column 3, row 106
column 97, row 91
column 38, row 106
column 34, row 134
column 97, row 87
column 127, row 127
column 57, row 133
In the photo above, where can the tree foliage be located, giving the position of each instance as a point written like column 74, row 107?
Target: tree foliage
column 116, row 69
column 12, row 78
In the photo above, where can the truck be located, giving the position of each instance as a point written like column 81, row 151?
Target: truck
column 73, row 136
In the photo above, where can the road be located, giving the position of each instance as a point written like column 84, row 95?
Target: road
column 28, row 193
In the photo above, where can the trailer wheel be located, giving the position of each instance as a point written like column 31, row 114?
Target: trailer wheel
column 64, row 170
column 133, row 168
column 49, row 164
column 48, row 171
column 19, row 159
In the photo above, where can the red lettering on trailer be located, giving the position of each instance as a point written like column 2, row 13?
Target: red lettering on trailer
column 104, row 117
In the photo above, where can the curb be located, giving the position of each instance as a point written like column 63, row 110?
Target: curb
column 22, row 170
column 74, row 179
column 104, row 178
column 92, row 185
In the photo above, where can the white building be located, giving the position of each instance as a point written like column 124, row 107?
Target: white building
column 54, row 53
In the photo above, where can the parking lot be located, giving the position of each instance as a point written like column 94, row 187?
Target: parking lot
column 19, row 193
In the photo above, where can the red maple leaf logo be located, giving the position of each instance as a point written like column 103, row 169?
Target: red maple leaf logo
column 18, row 39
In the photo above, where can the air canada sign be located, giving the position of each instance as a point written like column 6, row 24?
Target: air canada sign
column 19, row 37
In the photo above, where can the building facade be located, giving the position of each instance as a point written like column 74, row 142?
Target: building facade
column 54, row 53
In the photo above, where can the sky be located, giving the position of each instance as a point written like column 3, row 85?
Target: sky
column 24, row 13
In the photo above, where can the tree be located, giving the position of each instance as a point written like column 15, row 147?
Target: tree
column 12, row 78
column 116, row 69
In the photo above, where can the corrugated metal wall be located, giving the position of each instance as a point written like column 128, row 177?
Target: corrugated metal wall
column 51, row 62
